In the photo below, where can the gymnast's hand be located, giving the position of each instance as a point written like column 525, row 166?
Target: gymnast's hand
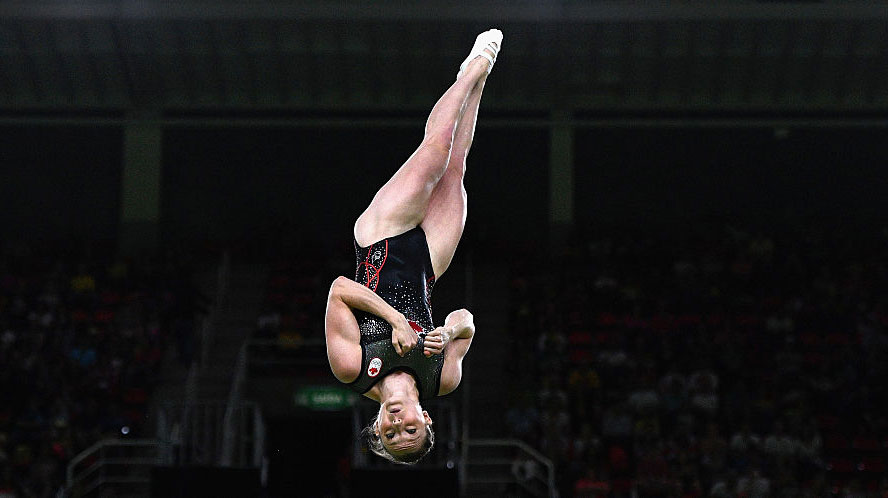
column 404, row 338
column 436, row 340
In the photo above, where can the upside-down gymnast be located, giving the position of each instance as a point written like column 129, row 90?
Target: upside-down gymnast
column 379, row 331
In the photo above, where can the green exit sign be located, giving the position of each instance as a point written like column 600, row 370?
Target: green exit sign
column 326, row 398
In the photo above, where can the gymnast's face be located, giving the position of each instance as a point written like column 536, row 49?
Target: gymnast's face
column 402, row 425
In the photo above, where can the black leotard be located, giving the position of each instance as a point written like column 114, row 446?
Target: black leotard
column 399, row 270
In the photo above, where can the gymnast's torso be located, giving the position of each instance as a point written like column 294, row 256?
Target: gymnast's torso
column 399, row 270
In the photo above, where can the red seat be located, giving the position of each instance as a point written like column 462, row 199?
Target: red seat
column 663, row 323
column 134, row 417
column 607, row 319
column 841, row 466
column 302, row 298
column 277, row 298
column 581, row 356
column 579, row 338
column 874, row 465
column 690, row 319
column 135, row 396
column 838, row 339
column 79, row 316
column 866, row 443
column 810, row 340
column 103, row 316
column 110, row 298
column 633, row 322
column 827, row 422
column 279, row 282
column 814, row 359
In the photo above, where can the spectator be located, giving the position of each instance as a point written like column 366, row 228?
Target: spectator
column 754, row 485
column 713, row 450
column 616, row 423
column 778, row 444
column 744, row 331
column 703, row 386
column 80, row 351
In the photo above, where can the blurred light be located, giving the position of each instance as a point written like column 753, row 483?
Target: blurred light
column 449, row 464
column 124, row 430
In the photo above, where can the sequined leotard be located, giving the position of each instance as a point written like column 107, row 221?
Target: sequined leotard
column 399, row 270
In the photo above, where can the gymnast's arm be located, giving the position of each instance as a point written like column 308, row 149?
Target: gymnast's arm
column 342, row 331
column 457, row 334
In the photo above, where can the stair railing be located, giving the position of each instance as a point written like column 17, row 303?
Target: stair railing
column 541, row 471
column 123, row 463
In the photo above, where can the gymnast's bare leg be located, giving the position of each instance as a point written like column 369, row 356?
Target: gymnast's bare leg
column 445, row 217
column 406, row 200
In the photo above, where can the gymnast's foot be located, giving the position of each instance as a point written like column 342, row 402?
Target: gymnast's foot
column 487, row 46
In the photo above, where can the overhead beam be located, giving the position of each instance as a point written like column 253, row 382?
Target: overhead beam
column 495, row 12
column 361, row 122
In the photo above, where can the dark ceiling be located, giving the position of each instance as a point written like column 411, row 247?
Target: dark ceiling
column 311, row 55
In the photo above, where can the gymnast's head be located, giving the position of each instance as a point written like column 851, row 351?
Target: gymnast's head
column 402, row 431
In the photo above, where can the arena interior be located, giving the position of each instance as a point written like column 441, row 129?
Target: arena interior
column 675, row 250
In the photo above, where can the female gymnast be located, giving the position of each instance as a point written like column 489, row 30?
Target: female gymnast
column 379, row 331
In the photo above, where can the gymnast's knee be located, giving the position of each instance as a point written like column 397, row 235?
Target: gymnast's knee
column 435, row 157
column 440, row 139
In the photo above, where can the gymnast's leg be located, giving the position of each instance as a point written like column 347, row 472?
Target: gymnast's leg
column 403, row 201
column 446, row 216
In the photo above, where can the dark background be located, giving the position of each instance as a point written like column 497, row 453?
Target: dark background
column 264, row 184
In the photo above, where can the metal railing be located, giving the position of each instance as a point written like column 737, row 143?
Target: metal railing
column 192, row 430
column 188, row 435
column 244, row 446
column 234, row 398
column 195, row 434
column 208, row 327
column 124, row 464
column 235, row 438
column 535, row 470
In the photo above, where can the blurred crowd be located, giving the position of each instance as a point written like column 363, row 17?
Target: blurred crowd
column 722, row 363
column 295, row 300
column 699, row 362
column 82, row 338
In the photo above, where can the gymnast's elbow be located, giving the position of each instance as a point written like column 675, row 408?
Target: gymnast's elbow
column 466, row 321
column 337, row 288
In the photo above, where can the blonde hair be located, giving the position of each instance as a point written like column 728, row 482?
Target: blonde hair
column 374, row 443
